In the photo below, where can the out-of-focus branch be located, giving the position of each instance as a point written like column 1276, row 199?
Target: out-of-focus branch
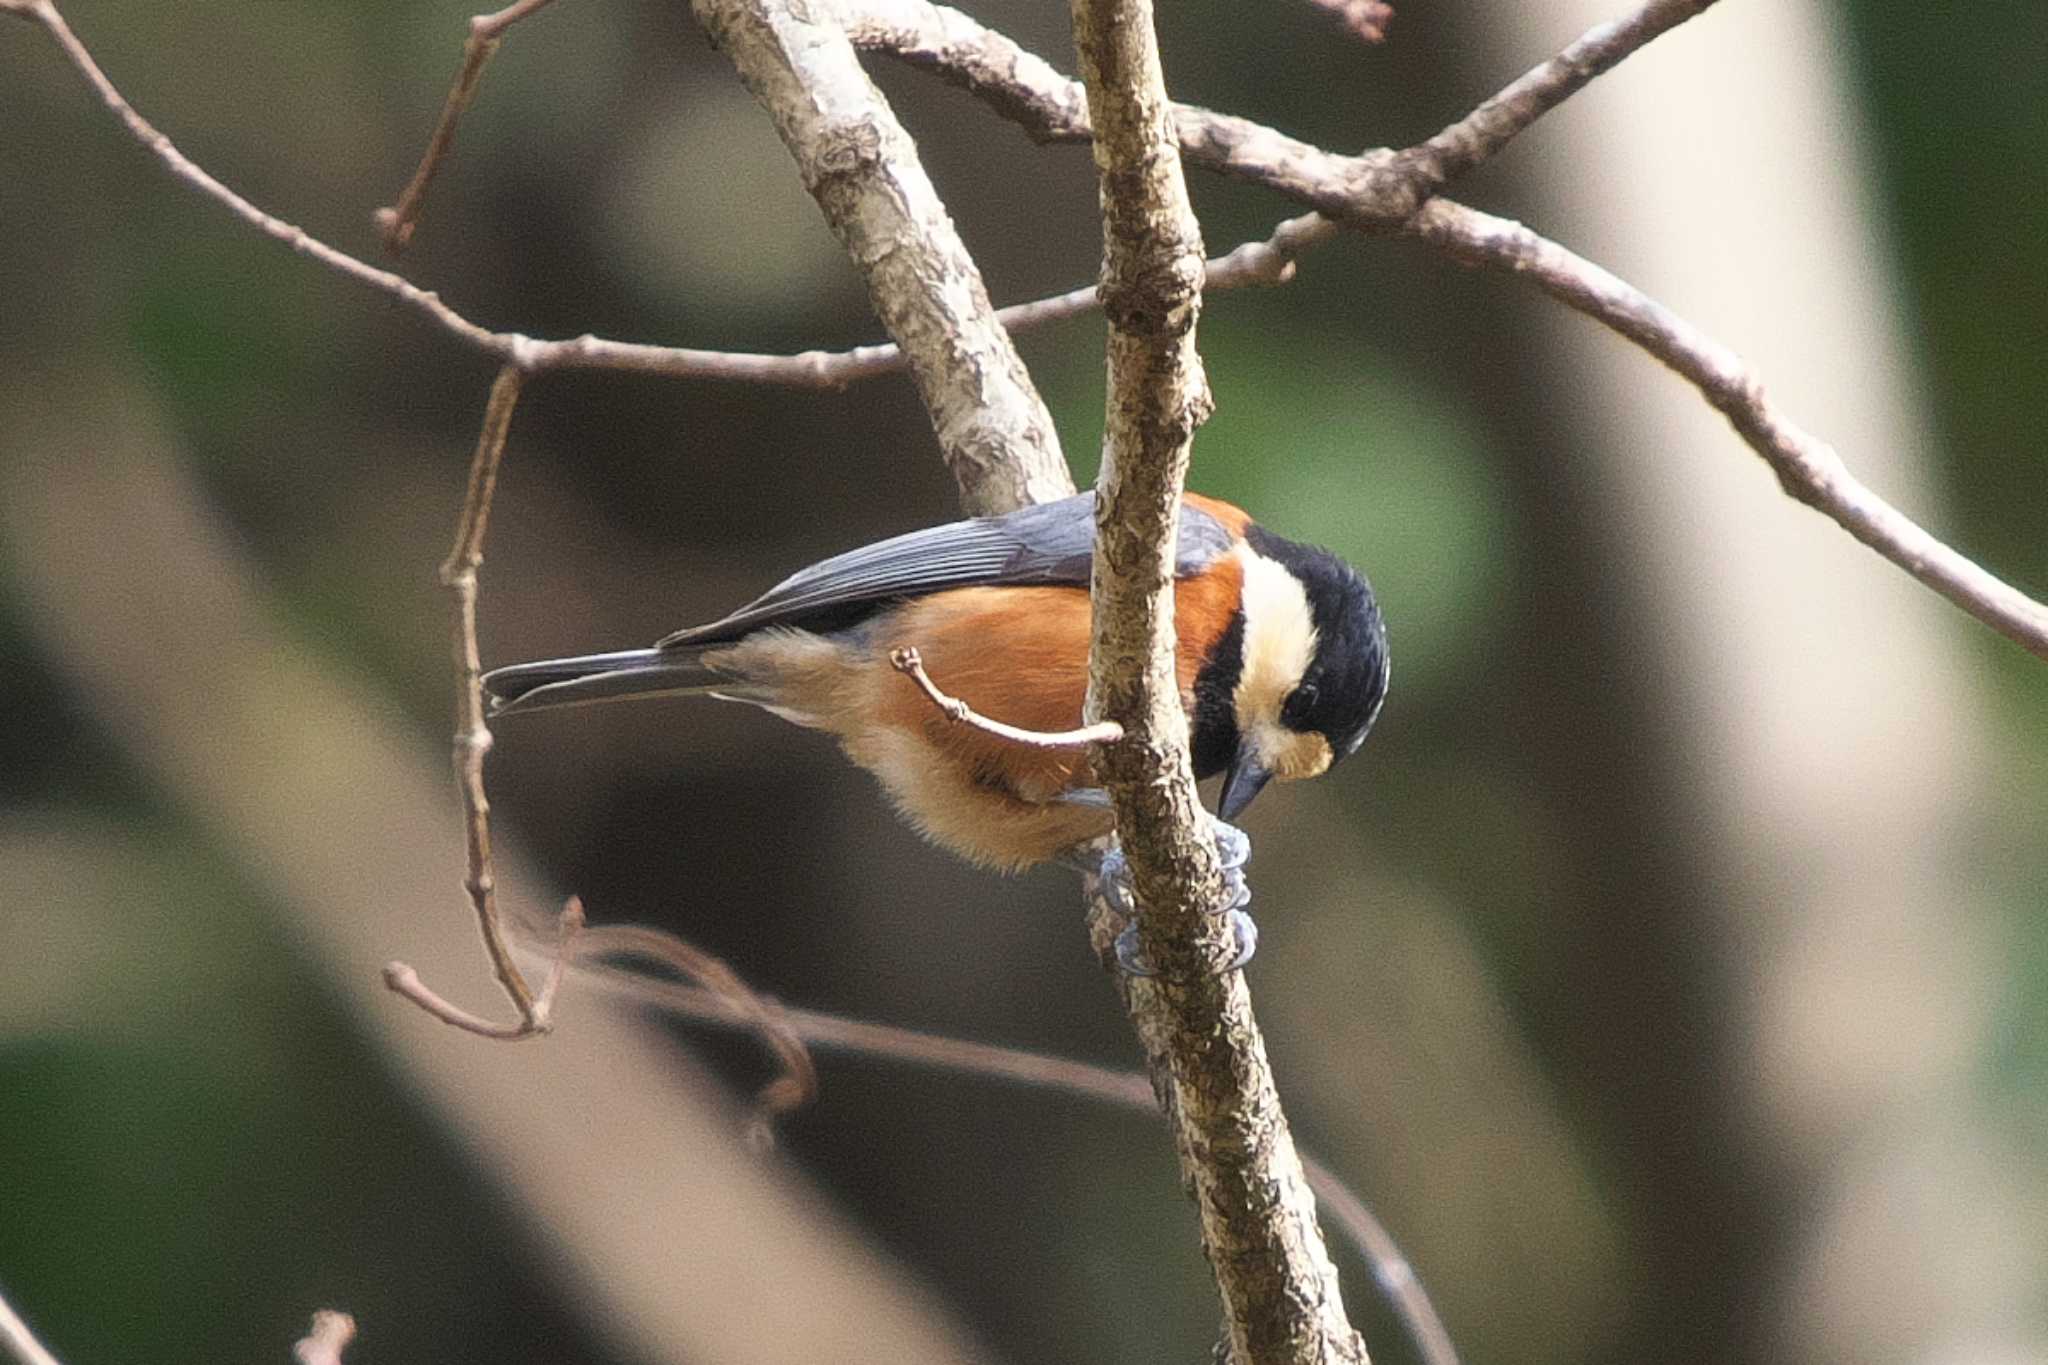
column 862, row 168
column 1281, row 1300
column 1366, row 20
column 796, row 1082
column 326, row 1340
column 396, row 223
column 15, row 1338
column 1126, row 1089
column 1387, row 193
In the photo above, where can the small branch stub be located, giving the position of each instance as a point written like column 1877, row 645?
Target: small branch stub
column 330, row 1335
column 908, row 662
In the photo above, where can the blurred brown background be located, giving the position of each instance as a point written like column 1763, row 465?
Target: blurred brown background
column 1667, row 971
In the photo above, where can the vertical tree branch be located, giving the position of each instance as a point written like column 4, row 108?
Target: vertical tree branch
column 472, row 736
column 1280, row 1295
column 473, row 741
column 862, row 168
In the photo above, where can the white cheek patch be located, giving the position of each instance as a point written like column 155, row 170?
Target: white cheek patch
column 1279, row 642
column 1292, row 754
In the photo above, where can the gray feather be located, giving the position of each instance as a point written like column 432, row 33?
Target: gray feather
column 1051, row 543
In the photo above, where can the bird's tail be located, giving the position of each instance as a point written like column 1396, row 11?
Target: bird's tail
column 601, row 677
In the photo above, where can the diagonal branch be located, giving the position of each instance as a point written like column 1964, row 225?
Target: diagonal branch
column 1808, row 468
column 16, row 1340
column 396, row 223
column 1476, row 137
column 861, row 166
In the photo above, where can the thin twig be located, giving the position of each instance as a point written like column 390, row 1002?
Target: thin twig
column 1366, row 20
column 1476, row 137
column 907, row 661
column 796, row 1085
column 330, row 1335
column 15, row 1338
column 1131, row 1090
column 472, row 735
column 395, row 225
column 813, row 369
column 473, row 741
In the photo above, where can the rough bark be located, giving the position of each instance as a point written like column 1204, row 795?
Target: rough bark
column 1202, row 1045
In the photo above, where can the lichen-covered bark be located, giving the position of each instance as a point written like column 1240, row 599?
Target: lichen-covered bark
column 1202, row 1045
column 863, row 169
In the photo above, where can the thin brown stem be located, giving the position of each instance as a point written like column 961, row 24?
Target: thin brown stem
column 908, row 662
column 473, row 741
column 329, row 1336
column 472, row 734
column 796, row 1083
column 395, row 225
column 815, row 369
column 1476, row 137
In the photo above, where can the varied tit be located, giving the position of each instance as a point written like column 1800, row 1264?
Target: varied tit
column 1282, row 666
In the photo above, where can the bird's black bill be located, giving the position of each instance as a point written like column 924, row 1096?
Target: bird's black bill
column 1244, row 779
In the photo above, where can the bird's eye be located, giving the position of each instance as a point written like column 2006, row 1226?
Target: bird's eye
column 1299, row 702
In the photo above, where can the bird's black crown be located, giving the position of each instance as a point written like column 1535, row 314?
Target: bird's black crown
column 1339, row 696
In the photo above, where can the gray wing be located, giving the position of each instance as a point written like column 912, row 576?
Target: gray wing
column 1051, row 543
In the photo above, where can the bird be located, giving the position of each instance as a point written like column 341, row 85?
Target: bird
column 1281, row 660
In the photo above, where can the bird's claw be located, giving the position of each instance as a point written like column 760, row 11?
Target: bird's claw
column 1244, row 935
column 1234, row 850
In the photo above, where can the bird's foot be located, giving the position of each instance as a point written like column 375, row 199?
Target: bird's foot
column 1233, row 848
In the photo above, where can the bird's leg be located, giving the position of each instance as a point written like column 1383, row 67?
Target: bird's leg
column 1233, row 847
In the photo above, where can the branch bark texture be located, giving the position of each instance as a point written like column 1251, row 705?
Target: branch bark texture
column 862, row 168
column 1281, row 1301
